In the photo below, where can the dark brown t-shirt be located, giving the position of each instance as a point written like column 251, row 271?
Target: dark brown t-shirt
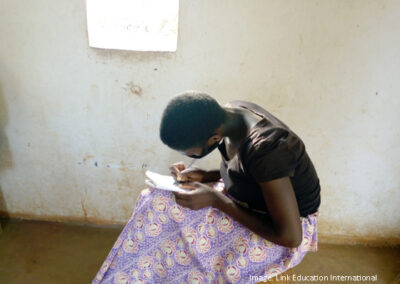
column 270, row 151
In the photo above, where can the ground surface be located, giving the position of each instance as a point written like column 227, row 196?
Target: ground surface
column 43, row 252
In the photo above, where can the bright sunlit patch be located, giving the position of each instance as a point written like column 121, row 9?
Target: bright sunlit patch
column 143, row 25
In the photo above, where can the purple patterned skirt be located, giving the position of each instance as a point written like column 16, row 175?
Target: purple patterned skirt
column 164, row 242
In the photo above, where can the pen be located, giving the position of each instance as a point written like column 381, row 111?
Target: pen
column 191, row 163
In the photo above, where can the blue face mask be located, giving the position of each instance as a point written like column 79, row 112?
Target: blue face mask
column 206, row 150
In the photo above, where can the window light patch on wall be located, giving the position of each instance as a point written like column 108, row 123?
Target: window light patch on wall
column 143, row 25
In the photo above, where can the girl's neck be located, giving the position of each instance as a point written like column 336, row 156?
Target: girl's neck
column 236, row 126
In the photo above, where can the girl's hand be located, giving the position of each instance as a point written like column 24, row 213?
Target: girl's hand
column 176, row 168
column 193, row 174
column 183, row 174
column 199, row 196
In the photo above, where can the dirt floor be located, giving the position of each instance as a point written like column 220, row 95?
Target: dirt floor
column 45, row 252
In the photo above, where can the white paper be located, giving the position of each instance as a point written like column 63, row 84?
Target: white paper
column 143, row 25
column 162, row 182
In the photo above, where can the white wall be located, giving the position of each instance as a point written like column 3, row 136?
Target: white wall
column 329, row 69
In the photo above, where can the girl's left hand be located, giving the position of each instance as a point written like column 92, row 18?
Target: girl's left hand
column 199, row 195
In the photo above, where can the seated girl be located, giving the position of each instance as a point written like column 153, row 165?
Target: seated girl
column 262, row 222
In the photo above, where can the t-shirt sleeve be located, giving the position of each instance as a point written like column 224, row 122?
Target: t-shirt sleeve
column 271, row 157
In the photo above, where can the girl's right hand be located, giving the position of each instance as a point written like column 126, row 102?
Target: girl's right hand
column 192, row 174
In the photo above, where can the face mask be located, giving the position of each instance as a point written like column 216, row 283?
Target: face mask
column 206, row 150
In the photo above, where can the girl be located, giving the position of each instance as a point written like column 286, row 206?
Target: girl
column 260, row 224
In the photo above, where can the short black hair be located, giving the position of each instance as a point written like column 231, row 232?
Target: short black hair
column 189, row 119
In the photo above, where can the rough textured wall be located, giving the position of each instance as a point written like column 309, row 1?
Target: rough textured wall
column 329, row 69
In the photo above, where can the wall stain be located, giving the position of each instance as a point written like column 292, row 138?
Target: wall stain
column 6, row 159
column 87, row 157
column 104, row 56
column 133, row 89
column 5, row 153
column 84, row 210
column 85, row 215
column 123, row 167
column 63, row 219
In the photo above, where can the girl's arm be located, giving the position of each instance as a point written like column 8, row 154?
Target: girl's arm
column 283, row 227
column 212, row 175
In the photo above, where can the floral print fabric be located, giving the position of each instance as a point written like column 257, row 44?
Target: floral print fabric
column 164, row 242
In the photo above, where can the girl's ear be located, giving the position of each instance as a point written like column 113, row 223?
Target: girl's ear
column 216, row 137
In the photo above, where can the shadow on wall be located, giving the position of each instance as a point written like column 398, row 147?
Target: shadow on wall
column 5, row 154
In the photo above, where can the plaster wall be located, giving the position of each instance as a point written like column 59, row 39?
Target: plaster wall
column 329, row 69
